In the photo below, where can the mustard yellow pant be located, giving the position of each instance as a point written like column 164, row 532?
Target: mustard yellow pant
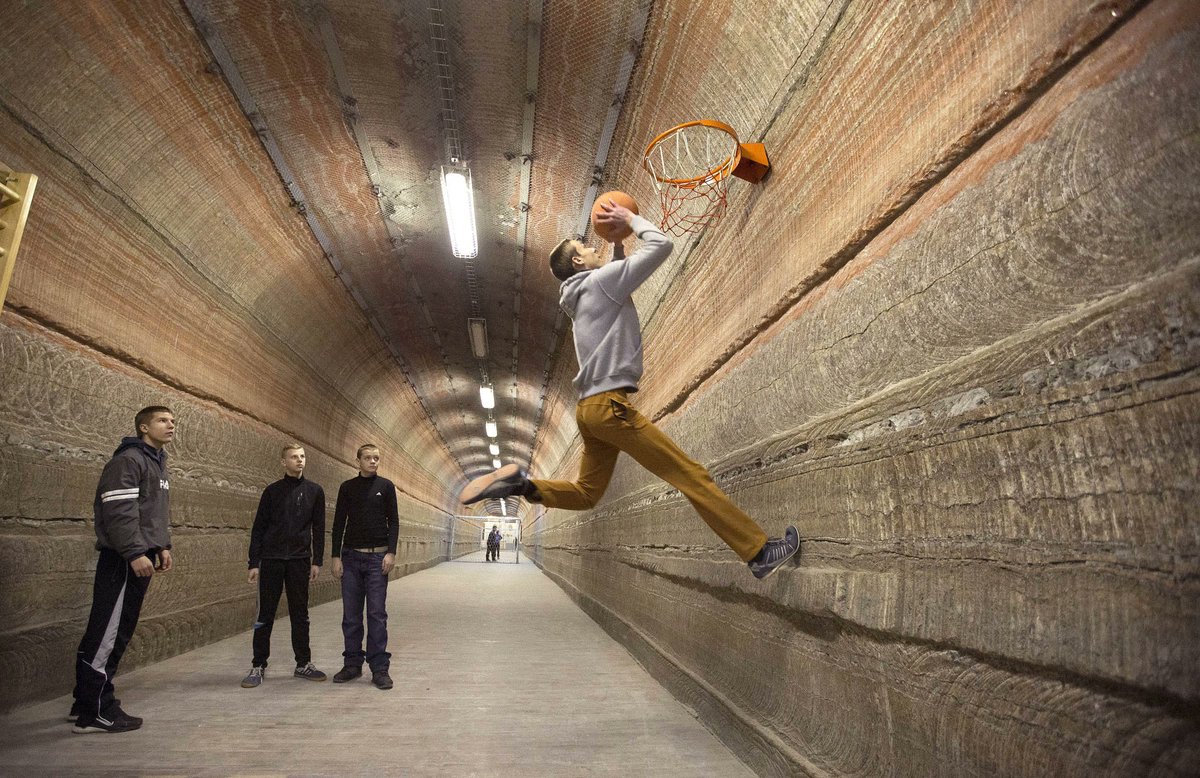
column 610, row 425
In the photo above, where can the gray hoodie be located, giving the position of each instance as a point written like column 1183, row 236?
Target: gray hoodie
column 608, row 335
column 131, row 501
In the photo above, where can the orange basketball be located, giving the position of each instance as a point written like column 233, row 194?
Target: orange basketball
column 619, row 232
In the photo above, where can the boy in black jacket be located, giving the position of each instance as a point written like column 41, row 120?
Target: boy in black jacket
column 287, row 542
column 366, row 528
column 133, row 536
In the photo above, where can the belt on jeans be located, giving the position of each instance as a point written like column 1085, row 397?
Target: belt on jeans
column 372, row 550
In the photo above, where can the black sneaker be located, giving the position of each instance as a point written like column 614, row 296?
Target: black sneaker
column 347, row 673
column 775, row 553
column 382, row 679
column 78, row 709
column 505, row 482
column 254, row 677
column 309, row 673
column 87, row 725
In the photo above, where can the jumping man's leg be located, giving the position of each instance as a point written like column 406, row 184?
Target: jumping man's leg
column 622, row 427
column 595, row 466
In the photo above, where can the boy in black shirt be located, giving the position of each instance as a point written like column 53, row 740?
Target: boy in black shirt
column 287, row 543
column 366, row 524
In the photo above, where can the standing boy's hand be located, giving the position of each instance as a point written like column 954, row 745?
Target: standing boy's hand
column 142, row 567
column 389, row 561
column 337, row 567
column 313, row 572
column 253, row 575
column 165, row 561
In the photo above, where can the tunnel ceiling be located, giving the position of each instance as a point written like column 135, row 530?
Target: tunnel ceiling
column 356, row 105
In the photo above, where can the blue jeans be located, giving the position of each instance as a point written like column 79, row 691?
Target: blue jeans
column 363, row 580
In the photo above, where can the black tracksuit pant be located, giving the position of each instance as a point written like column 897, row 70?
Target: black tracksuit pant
column 116, row 604
column 273, row 576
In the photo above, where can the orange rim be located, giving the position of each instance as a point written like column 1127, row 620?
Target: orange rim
column 715, row 173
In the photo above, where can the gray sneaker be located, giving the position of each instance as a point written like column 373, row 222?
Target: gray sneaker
column 254, row 678
column 309, row 673
column 775, row 553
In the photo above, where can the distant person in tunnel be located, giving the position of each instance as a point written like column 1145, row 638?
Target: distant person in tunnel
column 133, row 536
column 493, row 545
column 287, row 543
column 366, row 527
column 598, row 296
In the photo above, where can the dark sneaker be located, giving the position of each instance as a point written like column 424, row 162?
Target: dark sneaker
column 505, row 482
column 114, row 712
column 347, row 673
column 87, row 725
column 78, row 709
column 309, row 673
column 254, row 678
column 775, row 553
column 382, row 679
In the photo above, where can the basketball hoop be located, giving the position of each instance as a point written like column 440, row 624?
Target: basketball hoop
column 692, row 164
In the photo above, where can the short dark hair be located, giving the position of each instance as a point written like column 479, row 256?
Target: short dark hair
column 364, row 447
column 560, row 259
column 145, row 415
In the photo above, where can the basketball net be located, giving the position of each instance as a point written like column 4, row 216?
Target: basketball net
column 691, row 165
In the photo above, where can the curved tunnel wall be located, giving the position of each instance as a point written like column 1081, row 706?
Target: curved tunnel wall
column 165, row 265
column 953, row 339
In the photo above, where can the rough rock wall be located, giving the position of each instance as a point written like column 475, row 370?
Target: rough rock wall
column 954, row 338
column 164, row 263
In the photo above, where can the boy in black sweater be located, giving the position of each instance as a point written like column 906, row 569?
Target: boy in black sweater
column 287, row 543
column 366, row 525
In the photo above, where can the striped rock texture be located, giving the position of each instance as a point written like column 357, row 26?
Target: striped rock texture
column 954, row 337
column 956, row 344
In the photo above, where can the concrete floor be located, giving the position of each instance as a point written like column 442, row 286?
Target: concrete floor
column 497, row 673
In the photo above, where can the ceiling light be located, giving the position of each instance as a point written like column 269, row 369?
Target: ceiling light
column 495, row 464
column 504, row 507
column 494, row 449
column 486, row 396
column 460, row 210
column 477, row 330
column 491, row 428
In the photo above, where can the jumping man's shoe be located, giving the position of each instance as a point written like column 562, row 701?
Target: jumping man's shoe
column 347, row 673
column 87, row 725
column 775, row 553
column 382, row 679
column 505, row 482
column 310, row 673
column 254, row 678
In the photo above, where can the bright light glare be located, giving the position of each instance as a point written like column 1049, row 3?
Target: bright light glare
column 459, row 201
column 495, row 464
column 491, row 428
column 487, row 397
column 494, row 449
column 503, row 508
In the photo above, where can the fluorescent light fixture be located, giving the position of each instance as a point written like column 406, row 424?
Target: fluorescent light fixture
column 504, row 507
column 491, row 428
column 477, row 331
column 486, row 396
column 494, row 449
column 495, row 464
column 460, row 210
